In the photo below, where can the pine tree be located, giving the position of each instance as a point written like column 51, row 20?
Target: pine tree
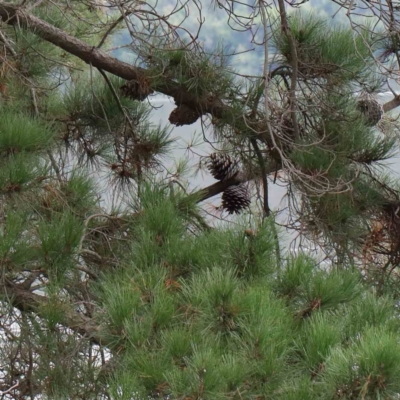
column 148, row 297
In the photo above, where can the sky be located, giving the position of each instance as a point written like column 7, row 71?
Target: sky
column 215, row 31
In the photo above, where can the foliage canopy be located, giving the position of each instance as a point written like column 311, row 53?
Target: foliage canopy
column 148, row 296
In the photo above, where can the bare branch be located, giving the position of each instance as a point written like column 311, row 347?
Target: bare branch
column 392, row 104
column 219, row 187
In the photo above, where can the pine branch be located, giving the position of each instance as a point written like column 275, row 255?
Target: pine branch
column 13, row 15
column 26, row 301
column 295, row 67
column 219, row 187
column 391, row 104
column 267, row 210
column 16, row 16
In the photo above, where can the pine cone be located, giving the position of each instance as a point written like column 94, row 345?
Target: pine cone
column 222, row 166
column 136, row 90
column 371, row 109
column 235, row 199
column 183, row 115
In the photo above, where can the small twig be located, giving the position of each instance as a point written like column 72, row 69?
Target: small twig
column 52, row 160
column 88, row 271
column 111, row 28
column 115, row 95
column 9, row 390
column 294, row 63
column 7, row 44
column 86, row 224
column 267, row 210
column 91, row 253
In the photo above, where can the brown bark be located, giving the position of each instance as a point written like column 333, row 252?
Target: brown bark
column 218, row 187
column 392, row 104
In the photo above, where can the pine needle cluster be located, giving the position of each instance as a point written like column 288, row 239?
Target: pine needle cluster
column 213, row 317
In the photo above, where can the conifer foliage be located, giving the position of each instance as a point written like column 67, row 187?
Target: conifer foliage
column 115, row 282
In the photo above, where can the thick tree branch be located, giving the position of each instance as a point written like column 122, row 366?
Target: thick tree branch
column 392, row 104
column 13, row 15
column 219, row 187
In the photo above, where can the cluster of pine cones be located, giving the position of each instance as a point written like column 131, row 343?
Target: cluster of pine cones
column 236, row 197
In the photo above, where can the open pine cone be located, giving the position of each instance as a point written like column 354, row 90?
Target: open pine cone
column 235, row 199
column 222, row 166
